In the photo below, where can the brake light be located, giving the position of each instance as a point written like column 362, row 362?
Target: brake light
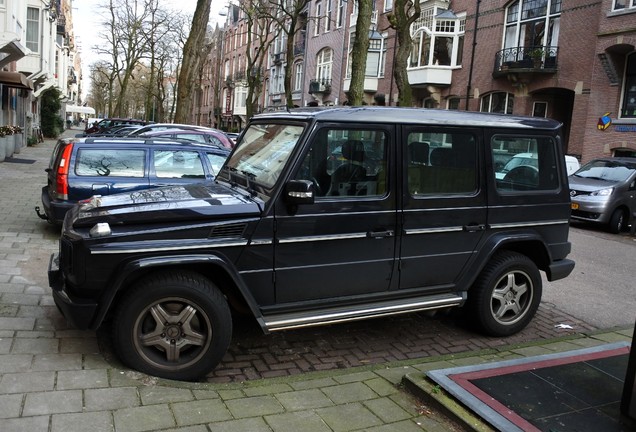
column 61, row 189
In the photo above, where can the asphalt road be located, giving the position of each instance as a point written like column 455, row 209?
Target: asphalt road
column 602, row 288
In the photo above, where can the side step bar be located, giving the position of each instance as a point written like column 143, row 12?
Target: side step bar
column 358, row 312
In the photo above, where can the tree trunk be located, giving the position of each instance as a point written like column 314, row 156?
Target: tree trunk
column 191, row 61
column 359, row 52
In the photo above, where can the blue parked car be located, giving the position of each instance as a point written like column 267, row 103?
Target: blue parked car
column 83, row 167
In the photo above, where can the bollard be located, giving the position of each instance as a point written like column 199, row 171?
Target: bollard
column 628, row 401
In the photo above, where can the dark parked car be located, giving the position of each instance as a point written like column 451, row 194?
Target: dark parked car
column 107, row 123
column 278, row 237
column 83, row 167
column 603, row 191
column 204, row 136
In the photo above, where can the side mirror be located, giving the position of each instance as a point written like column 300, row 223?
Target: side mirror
column 299, row 192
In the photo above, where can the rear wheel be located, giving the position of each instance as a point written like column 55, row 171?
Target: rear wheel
column 617, row 222
column 506, row 295
column 174, row 325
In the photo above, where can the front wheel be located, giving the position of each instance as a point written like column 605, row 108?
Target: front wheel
column 174, row 325
column 617, row 222
column 506, row 295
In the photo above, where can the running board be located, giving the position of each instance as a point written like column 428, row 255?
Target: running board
column 359, row 312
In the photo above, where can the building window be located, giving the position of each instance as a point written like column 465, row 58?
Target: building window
column 376, row 54
column 628, row 109
column 531, row 24
column 324, row 63
column 540, row 109
column 438, row 39
column 624, row 4
column 298, row 76
column 388, row 5
column 33, row 29
column 498, row 102
column 328, row 15
column 453, row 103
column 341, row 13
column 319, row 18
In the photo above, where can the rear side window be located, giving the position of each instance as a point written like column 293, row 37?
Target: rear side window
column 441, row 163
column 524, row 163
column 216, row 161
column 110, row 163
column 178, row 164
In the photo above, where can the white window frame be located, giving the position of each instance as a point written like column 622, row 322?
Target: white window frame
column 508, row 104
column 32, row 38
column 324, row 64
column 298, row 76
column 618, row 6
column 540, row 109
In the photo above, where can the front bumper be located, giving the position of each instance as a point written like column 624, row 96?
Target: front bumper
column 591, row 209
column 78, row 314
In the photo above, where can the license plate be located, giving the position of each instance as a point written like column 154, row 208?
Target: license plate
column 575, row 206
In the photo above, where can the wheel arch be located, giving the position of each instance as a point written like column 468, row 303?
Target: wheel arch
column 212, row 267
column 528, row 244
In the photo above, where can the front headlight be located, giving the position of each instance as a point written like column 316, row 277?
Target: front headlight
column 603, row 192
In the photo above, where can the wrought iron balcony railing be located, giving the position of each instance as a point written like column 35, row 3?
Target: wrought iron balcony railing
column 526, row 59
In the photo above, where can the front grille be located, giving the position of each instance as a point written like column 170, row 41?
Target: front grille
column 584, row 214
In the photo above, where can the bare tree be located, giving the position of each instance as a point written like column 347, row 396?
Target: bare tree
column 405, row 13
column 192, row 57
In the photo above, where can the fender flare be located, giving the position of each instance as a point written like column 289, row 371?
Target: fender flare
column 131, row 267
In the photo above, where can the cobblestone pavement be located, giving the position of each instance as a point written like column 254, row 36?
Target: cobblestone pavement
column 53, row 377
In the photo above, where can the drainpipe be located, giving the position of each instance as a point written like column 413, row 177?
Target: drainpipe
column 472, row 56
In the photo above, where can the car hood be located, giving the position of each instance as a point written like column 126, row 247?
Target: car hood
column 589, row 184
column 197, row 201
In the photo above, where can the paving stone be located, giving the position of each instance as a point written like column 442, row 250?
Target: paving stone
column 146, row 418
column 11, row 323
column 25, row 424
column 254, row 406
column 27, row 382
column 99, row 422
column 110, row 398
column 267, row 389
column 197, row 412
column 305, row 421
column 156, row 394
column 304, row 400
column 82, row 379
column 387, row 410
column 54, row 402
column 254, row 424
column 346, row 393
column 57, row 362
column 35, row 346
column 10, row 405
column 348, row 417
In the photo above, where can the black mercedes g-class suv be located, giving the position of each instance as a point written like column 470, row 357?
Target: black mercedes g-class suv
column 319, row 216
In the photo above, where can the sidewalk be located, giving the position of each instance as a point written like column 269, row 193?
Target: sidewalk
column 55, row 378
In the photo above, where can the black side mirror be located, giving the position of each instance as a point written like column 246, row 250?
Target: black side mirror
column 299, row 192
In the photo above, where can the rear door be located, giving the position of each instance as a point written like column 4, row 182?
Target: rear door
column 444, row 206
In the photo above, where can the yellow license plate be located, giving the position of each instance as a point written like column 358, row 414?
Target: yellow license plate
column 575, row 206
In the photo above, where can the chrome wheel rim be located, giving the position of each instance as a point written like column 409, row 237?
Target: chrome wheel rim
column 511, row 297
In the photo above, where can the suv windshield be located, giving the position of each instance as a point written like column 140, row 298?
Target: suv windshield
column 606, row 170
column 262, row 153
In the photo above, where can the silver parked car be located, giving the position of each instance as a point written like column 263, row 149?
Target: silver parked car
column 603, row 191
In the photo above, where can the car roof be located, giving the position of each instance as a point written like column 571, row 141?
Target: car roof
column 415, row 116
column 182, row 131
column 139, row 141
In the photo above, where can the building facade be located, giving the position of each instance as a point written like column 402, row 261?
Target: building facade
column 571, row 60
column 37, row 52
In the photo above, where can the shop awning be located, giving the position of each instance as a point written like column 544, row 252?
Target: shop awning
column 15, row 79
column 79, row 109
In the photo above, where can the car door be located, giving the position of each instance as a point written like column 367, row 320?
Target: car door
column 444, row 211
column 343, row 245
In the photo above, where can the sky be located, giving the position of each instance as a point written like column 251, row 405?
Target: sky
column 86, row 25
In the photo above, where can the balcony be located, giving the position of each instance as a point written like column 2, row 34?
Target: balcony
column 320, row 86
column 430, row 75
column 526, row 60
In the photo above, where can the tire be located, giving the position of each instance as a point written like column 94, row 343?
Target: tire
column 506, row 295
column 174, row 325
column 617, row 222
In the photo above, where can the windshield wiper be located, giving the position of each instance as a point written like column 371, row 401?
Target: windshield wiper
column 250, row 182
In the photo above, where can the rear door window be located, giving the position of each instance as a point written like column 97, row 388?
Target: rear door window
column 524, row 163
column 178, row 164
column 110, row 163
column 216, row 161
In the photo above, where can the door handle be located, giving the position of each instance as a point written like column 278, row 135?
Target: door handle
column 474, row 227
column 380, row 234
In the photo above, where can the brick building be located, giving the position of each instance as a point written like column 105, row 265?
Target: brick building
column 571, row 60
